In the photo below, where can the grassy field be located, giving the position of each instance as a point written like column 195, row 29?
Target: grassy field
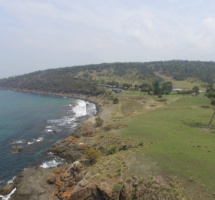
column 185, row 84
column 176, row 140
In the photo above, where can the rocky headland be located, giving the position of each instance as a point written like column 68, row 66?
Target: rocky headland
column 97, row 166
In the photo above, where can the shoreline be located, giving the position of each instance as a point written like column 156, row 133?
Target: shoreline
column 10, row 186
column 91, row 99
column 107, row 177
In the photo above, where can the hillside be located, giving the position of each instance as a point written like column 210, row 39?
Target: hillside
column 84, row 79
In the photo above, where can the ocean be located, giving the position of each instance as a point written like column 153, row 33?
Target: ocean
column 35, row 122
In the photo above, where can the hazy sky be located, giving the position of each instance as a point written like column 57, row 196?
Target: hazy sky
column 41, row 34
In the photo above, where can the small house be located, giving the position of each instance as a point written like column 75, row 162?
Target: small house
column 117, row 90
column 176, row 90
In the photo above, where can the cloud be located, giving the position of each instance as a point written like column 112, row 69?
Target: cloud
column 67, row 32
column 210, row 23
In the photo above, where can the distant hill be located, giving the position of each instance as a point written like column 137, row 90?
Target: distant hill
column 84, row 79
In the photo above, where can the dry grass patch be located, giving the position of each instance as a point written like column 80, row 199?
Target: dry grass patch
column 112, row 166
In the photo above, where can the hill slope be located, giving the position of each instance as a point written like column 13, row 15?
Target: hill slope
column 84, row 79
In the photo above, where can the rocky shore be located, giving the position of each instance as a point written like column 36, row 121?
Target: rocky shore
column 32, row 183
column 86, row 179
column 97, row 167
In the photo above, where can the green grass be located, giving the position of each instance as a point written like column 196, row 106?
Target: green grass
column 175, row 138
column 187, row 84
column 128, row 93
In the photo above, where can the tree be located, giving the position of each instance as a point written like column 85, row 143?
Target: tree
column 211, row 95
column 145, row 87
column 126, row 86
column 156, row 88
column 195, row 89
column 167, row 87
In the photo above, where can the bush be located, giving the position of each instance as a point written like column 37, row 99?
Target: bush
column 117, row 188
column 140, row 144
column 111, row 97
column 93, row 154
column 111, row 151
column 115, row 100
column 107, row 128
column 102, row 149
column 99, row 122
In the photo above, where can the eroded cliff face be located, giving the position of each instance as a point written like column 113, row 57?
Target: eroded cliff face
column 107, row 177
column 74, row 183
column 31, row 184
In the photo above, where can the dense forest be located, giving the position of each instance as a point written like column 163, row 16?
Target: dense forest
column 84, row 79
column 180, row 70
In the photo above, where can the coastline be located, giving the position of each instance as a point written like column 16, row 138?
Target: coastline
column 91, row 99
column 22, row 178
column 108, row 177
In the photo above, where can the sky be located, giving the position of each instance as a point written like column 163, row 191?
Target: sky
column 42, row 34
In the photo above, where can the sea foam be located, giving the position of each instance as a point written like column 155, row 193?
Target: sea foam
column 11, row 180
column 80, row 110
column 7, row 197
column 39, row 139
column 29, row 143
column 19, row 141
column 52, row 163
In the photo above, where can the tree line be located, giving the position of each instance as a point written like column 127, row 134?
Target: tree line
column 134, row 76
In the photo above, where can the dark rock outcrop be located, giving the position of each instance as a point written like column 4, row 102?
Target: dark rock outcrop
column 31, row 184
column 51, row 180
column 16, row 149
column 7, row 189
column 67, row 150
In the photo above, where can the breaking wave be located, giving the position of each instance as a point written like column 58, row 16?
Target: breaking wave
column 11, row 180
column 34, row 140
column 54, row 162
column 7, row 197
column 82, row 109
column 16, row 141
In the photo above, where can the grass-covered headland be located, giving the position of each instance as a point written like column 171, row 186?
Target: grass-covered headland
column 176, row 140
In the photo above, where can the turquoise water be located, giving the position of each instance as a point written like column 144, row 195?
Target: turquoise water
column 33, row 122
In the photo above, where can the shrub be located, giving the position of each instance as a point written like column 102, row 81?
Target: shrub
column 117, row 188
column 93, row 154
column 140, row 144
column 111, row 97
column 99, row 122
column 115, row 100
column 111, row 151
column 102, row 149
column 107, row 128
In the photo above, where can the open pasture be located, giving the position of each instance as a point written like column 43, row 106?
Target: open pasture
column 176, row 137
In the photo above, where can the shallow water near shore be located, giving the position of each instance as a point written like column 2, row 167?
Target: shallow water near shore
column 35, row 122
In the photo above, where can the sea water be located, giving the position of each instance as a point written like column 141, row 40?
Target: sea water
column 35, row 122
